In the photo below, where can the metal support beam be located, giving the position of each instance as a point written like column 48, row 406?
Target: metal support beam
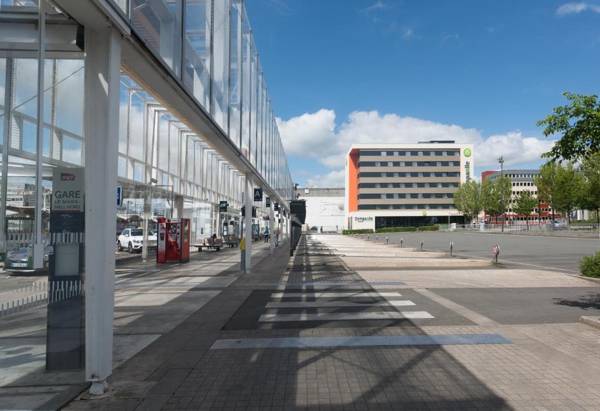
column 248, row 203
column 38, row 245
column 101, row 122
column 8, row 93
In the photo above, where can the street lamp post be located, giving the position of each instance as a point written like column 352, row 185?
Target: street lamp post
column 501, row 161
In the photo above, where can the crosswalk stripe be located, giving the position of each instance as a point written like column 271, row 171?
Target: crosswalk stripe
column 360, row 341
column 335, row 304
column 346, row 294
column 354, row 316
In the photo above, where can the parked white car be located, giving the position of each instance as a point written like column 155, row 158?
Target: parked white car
column 133, row 238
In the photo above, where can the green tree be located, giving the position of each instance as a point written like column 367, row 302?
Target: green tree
column 495, row 196
column 579, row 124
column 525, row 205
column 467, row 199
column 590, row 193
column 545, row 183
column 569, row 184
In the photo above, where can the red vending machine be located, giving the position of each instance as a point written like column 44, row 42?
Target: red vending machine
column 173, row 240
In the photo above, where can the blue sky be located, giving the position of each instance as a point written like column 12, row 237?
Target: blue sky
column 343, row 71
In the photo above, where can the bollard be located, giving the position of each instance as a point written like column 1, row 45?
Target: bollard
column 421, row 245
column 451, row 247
column 401, row 242
column 496, row 252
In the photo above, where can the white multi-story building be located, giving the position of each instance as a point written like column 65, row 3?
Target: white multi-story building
column 391, row 185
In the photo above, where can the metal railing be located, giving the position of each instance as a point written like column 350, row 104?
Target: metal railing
column 38, row 294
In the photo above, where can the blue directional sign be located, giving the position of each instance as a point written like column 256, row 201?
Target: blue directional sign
column 119, row 196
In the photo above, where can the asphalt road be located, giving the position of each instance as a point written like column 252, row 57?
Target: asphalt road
column 556, row 253
column 528, row 305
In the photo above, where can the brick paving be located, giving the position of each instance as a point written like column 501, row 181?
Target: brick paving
column 545, row 366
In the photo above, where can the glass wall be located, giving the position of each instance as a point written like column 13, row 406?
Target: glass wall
column 208, row 46
column 220, row 77
column 235, row 74
column 159, row 22
column 62, row 145
column 196, row 49
column 158, row 152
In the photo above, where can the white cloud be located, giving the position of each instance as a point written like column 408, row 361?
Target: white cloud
column 513, row 146
column 576, row 8
column 378, row 5
column 334, row 178
column 408, row 33
column 309, row 134
column 314, row 135
column 450, row 37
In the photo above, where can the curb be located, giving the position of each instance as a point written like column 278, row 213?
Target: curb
column 592, row 321
column 583, row 277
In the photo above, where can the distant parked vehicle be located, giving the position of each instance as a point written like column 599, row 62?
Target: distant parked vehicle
column 133, row 238
column 559, row 225
column 19, row 258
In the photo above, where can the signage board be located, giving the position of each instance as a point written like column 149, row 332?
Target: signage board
column 119, row 196
column 223, row 206
column 68, row 186
column 258, row 194
column 268, row 202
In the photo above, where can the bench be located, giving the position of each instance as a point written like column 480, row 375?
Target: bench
column 209, row 243
column 231, row 241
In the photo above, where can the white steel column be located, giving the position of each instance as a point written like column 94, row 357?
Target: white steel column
column 102, row 72
column 38, row 245
column 271, row 227
column 248, row 203
column 8, row 92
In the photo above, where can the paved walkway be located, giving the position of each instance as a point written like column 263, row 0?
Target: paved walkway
column 150, row 301
column 319, row 333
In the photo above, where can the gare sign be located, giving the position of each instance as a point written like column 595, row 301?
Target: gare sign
column 67, row 190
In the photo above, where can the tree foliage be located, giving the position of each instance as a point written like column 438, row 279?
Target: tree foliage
column 495, row 195
column 579, row 124
column 467, row 199
column 589, row 197
column 545, row 183
column 567, row 191
column 525, row 204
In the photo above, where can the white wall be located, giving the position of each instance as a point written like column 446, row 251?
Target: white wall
column 326, row 212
